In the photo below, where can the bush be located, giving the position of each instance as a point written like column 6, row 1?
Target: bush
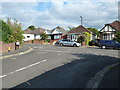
column 32, row 41
column 81, row 39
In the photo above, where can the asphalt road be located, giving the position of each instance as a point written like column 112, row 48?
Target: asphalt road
column 49, row 66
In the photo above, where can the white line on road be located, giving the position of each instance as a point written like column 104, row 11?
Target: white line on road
column 55, row 51
column 59, row 54
column 13, row 58
column 22, row 68
column 28, row 83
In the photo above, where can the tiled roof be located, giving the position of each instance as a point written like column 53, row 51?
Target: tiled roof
column 79, row 29
column 63, row 31
column 115, row 24
column 36, row 31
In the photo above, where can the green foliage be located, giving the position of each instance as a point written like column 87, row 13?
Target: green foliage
column 5, row 32
column 16, row 30
column 117, row 36
column 11, row 31
column 71, row 28
column 43, row 36
column 81, row 39
column 32, row 41
column 87, row 37
column 31, row 27
column 94, row 30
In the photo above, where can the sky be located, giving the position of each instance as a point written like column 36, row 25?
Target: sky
column 51, row 13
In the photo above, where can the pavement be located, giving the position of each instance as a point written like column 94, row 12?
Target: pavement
column 22, row 50
column 72, row 68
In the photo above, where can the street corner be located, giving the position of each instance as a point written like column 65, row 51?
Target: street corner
column 17, row 53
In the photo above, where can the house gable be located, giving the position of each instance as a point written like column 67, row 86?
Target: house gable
column 79, row 30
column 114, row 26
column 56, row 31
column 108, row 28
column 47, row 32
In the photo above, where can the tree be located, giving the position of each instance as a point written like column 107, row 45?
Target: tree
column 94, row 30
column 117, row 36
column 87, row 37
column 5, row 32
column 43, row 36
column 71, row 28
column 17, row 32
column 31, row 27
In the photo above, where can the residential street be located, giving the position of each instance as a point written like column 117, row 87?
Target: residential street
column 49, row 66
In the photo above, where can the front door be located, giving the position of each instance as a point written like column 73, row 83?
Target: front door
column 52, row 37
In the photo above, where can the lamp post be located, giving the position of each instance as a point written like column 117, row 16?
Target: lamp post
column 81, row 19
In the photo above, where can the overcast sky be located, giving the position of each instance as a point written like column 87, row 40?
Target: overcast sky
column 64, row 13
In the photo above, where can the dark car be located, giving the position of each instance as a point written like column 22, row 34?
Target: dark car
column 93, row 42
column 109, row 44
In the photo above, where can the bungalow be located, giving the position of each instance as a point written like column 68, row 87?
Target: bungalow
column 35, row 34
column 108, row 31
column 55, row 34
column 58, row 33
column 74, row 34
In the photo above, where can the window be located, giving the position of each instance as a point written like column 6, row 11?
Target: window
column 28, row 36
column 57, row 36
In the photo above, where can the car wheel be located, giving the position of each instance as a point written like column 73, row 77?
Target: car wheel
column 103, row 47
column 74, row 45
column 61, row 44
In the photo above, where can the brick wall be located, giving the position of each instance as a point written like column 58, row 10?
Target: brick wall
column 35, row 42
column 4, row 47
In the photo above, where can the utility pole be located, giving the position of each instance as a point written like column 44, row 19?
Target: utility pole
column 81, row 19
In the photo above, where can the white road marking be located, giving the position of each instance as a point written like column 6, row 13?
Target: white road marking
column 22, row 68
column 13, row 58
column 3, row 76
column 28, row 83
column 42, row 53
column 55, row 51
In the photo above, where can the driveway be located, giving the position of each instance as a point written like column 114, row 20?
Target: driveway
column 49, row 66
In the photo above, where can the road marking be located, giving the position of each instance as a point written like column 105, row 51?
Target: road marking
column 22, row 68
column 95, row 81
column 55, row 51
column 13, row 58
column 3, row 76
column 28, row 83
column 42, row 53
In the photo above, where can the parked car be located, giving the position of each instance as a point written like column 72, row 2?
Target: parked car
column 67, row 42
column 109, row 44
column 93, row 43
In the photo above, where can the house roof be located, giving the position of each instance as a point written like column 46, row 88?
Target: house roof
column 79, row 29
column 63, row 31
column 115, row 25
column 36, row 31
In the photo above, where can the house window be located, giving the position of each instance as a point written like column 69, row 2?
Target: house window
column 57, row 36
column 104, row 36
column 28, row 36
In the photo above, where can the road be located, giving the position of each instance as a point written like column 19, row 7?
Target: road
column 49, row 66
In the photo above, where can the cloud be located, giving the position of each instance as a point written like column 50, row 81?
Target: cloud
column 59, row 13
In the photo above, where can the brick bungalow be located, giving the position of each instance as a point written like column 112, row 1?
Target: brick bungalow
column 74, row 34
